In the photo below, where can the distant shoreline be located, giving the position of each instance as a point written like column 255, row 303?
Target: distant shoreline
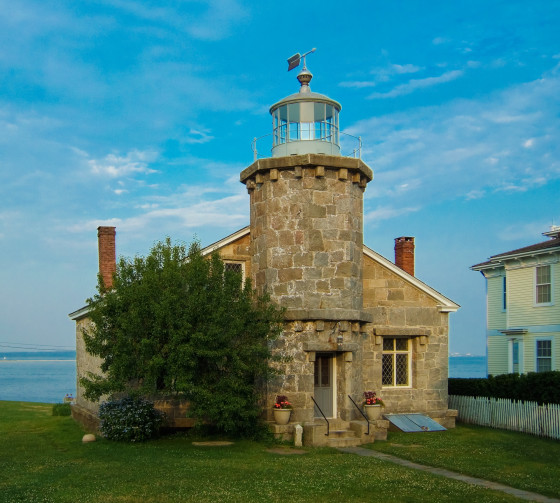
column 37, row 360
column 467, row 356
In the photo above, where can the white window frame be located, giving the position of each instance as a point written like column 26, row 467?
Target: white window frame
column 541, row 339
column 536, row 285
column 394, row 352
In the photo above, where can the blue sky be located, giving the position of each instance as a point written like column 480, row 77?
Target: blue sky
column 141, row 115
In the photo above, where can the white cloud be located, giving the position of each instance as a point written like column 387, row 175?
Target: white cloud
column 359, row 84
column 198, row 136
column 226, row 212
column 383, row 74
column 408, row 68
column 205, row 20
column 531, row 232
column 386, row 213
column 439, row 40
column 415, row 84
column 468, row 149
column 474, row 194
column 116, row 166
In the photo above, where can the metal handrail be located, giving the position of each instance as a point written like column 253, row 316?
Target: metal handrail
column 359, row 149
column 352, row 154
column 360, row 411
column 324, row 417
column 254, row 145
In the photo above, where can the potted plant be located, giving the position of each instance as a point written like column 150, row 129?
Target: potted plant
column 282, row 410
column 372, row 405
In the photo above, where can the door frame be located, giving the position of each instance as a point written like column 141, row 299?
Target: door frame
column 331, row 355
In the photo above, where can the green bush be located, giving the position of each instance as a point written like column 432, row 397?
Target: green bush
column 129, row 420
column 541, row 387
column 179, row 323
column 61, row 409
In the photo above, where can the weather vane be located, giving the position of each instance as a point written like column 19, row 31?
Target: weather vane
column 294, row 61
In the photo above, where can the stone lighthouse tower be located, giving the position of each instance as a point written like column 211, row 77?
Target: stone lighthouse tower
column 306, row 219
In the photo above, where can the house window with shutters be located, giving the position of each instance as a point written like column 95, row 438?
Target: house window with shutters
column 396, row 362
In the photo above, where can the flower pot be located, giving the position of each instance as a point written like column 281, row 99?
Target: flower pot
column 282, row 416
column 373, row 412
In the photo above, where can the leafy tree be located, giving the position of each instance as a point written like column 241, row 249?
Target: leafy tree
column 178, row 323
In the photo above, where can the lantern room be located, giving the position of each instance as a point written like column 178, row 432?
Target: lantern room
column 305, row 122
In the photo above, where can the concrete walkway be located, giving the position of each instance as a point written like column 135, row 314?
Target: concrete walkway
column 518, row 493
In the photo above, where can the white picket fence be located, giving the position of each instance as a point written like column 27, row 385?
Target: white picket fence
column 527, row 417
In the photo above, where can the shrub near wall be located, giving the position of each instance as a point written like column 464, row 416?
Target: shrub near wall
column 542, row 387
column 129, row 420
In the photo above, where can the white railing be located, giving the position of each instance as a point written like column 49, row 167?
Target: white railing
column 351, row 146
column 526, row 417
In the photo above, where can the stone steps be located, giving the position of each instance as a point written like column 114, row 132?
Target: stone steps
column 341, row 433
column 343, row 438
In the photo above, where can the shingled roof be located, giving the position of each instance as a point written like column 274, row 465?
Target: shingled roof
column 526, row 250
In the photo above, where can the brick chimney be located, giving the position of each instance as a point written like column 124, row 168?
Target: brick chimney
column 404, row 254
column 107, row 254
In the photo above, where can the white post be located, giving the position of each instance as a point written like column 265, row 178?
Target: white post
column 298, row 435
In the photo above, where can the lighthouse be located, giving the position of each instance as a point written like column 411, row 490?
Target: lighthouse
column 306, row 221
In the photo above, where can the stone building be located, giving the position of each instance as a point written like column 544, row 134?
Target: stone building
column 355, row 321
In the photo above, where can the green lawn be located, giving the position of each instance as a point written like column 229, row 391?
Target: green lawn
column 42, row 459
column 511, row 458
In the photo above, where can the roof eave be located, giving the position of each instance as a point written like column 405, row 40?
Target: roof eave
column 79, row 314
column 225, row 241
column 511, row 256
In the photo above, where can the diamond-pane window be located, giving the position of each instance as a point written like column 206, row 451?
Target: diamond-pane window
column 401, row 370
column 401, row 344
column 234, row 266
column 387, row 372
column 396, row 362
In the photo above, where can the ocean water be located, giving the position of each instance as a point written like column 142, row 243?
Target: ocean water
column 467, row 366
column 49, row 377
column 37, row 376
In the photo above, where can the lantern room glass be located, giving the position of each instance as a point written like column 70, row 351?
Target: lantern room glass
column 305, row 120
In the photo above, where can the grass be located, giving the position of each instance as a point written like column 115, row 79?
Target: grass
column 511, row 458
column 42, row 459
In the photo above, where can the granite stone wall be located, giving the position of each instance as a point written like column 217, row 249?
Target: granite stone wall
column 306, row 230
column 84, row 363
column 401, row 310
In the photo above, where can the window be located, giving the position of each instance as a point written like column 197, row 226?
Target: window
column 543, row 293
column 544, row 355
column 396, row 362
column 234, row 266
column 504, row 295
